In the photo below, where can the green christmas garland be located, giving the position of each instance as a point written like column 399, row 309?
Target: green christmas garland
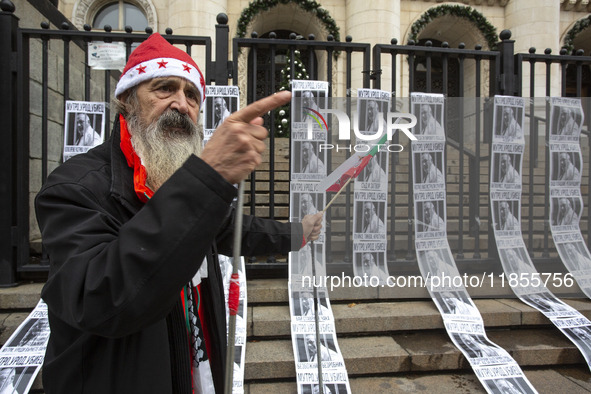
column 578, row 28
column 488, row 30
column 264, row 5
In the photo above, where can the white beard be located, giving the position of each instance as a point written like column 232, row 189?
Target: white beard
column 163, row 149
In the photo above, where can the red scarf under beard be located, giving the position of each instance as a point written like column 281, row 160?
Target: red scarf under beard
column 164, row 138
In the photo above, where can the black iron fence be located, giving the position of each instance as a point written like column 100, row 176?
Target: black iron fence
column 503, row 76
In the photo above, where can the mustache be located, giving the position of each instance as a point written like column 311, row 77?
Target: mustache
column 174, row 119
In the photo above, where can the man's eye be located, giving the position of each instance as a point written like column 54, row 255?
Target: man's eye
column 166, row 88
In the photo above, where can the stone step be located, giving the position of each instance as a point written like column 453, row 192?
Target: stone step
column 566, row 379
column 416, row 351
column 266, row 292
column 368, row 316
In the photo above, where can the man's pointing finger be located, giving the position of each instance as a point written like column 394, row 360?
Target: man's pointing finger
column 261, row 107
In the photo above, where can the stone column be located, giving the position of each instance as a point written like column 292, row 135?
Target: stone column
column 535, row 23
column 197, row 18
column 377, row 23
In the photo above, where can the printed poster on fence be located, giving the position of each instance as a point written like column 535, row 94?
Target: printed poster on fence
column 84, row 127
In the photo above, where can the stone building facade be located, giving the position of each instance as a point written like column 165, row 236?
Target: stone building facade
column 534, row 23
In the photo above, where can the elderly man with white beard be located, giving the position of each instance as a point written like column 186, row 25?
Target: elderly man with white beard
column 133, row 229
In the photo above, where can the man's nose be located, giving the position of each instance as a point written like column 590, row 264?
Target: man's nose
column 179, row 102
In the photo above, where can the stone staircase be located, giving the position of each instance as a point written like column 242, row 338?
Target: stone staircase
column 392, row 341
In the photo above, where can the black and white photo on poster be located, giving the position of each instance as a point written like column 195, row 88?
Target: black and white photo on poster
column 305, row 199
column 439, row 270
column 372, row 109
column 456, row 305
column 506, row 214
column 575, row 256
column 515, row 385
column 428, row 165
column 308, row 161
column 370, row 261
column 375, row 175
column 566, row 118
column 307, row 353
column 514, row 257
column 17, row 380
column 307, row 97
column 549, row 305
column 32, row 334
column 430, row 216
column 476, row 345
column 508, row 119
column 327, row 389
column 428, row 109
column 302, row 305
column 301, row 265
column 506, row 167
column 369, row 216
column 581, row 336
column 220, row 102
column 565, row 209
column 565, row 165
column 84, row 126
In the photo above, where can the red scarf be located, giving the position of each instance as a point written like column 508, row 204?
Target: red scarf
column 143, row 192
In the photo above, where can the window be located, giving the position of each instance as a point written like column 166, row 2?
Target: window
column 120, row 14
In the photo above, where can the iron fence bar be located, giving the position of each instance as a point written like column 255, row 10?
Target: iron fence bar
column 348, row 258
column 563, row 65
column 44, row 107
column 377, row 67
column 532, row 149
column 394, row 161
column 271, row 259
column 366, row 67
column 460, row 254
column 428, row 65
column 253, row 98
column 444, row 70
column 328, row 214
column 545, row 252
column 579, row 78
column 311, row 59
column 475, row 168
column 409, row 229
column 23, row 138
column 8, row 71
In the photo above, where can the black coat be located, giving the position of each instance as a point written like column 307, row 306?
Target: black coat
column 118, row 266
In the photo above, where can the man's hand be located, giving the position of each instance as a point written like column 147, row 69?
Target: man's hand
column 235, row 148
column 312, row 225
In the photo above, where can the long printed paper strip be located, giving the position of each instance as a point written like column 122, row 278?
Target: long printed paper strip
column 461, row 318
column 308, row 169
column 220, row 102
column 566, row 202
column 505, row 198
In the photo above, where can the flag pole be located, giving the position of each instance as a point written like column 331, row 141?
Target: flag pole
column 234, row 293
column 336, row 195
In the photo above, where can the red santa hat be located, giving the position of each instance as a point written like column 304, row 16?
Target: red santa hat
column 156, row 58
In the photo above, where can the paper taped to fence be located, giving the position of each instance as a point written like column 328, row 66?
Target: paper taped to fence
column 307, row 266
column 505, row 198
column 370, row 196
column 461, row 318
column 84, row 127
column 220, row 102
column 22, row 355
column 566, row 202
